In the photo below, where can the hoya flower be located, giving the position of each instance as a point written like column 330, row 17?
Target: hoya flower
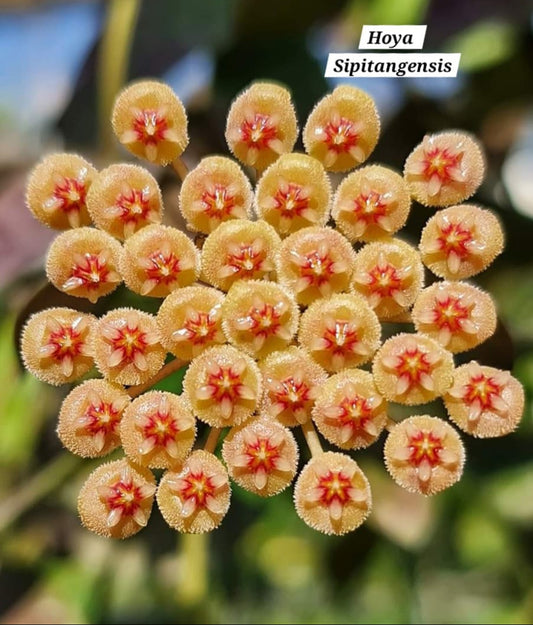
column 341, row 331
column 195, row 498
column 126, row 346
column 90, row 416
column 190, row 320
column 315, row 262
column 461, row 241
column 291, row 379
column 216, row 190
column 261, row 125
column 390, row 275
column 158, row 260
column 237, row 250
column 332, row 494
column 259, row 317
column 424, row 454
column 349, row 411
column 484, row 401
column 261, row 456
column 56, row 345
column 446, row 168
column 158, row 430
column 343, row 129
column 223, row 386
column 457, row 315
column 150, row 121
column 371, row 203
column 57, row 189
column 116, row 499
column 294, row 192
column 84, row 263
column 123, row 199
column 412, row 369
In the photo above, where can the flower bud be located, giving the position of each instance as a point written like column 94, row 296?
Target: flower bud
column 216, row 190
column 195, row 498
column 116, row 500
column 84, row 263
column 446, row 168
column 484, row 401
column 455, row 314
column 261, row 125
column 332, row 494
column 390, row 275
column 343, row 129
column 412, row 369
column 158, row 260
column 315, row 262
column 424, row 454
column 57, row 190
column 90, row 416
column 259, row 317
column 239, row 250
column 126, row 346
column 190, row 320
column 261, row 456
column 371, row 203
column 150, row 121
column 291, row 379
column 293, row 193
column 340, row 332
column 461, row 241
column 158, row 430
column 223, row 386
column 56, row 345
column 123, row 199
column 349, row 411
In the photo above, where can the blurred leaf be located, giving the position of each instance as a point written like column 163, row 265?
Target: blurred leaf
column 513, row 290
column 484, row 44
column 481, row 539
column 398, row 12
column 511, row 494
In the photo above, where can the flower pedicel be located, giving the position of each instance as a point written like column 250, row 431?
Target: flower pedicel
column 272, row 319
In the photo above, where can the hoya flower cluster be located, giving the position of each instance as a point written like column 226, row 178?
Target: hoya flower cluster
column 277, row 317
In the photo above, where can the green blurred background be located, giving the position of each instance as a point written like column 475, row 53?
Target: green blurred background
column 463, row 557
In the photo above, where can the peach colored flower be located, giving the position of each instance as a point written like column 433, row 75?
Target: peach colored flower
column 446, row 168
column 291, row 379
column 261, row 456
column 127, row 349
column 116, row 500
column 123, row 199
column 461, row 241
column 412, row 369
column 216, row 190
column 223, row 386
column 90, row 416
column 343, row 129
column 349, row 411
column 371, row 203
column 484, row 401
column 341, row 331
column 332, row 494
column 424, row 454
column 150, row 121
column 457, row 315
column 294, row 192
column 57, row 189
column 261, row 125
column 195, row 498
column 56, row 345
column 190, row 320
